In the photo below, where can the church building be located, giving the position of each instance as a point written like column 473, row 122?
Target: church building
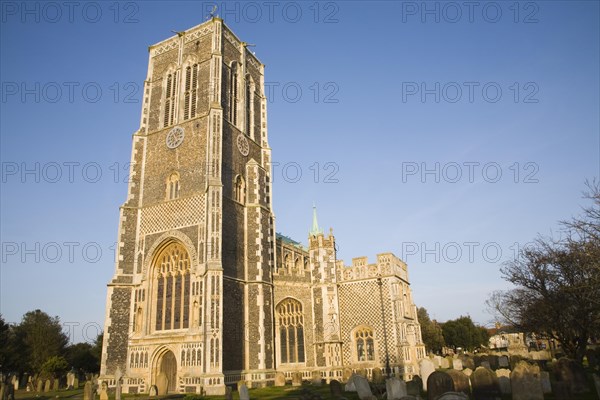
column 205, row 293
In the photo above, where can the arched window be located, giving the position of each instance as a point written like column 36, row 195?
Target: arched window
column 233, row 93
column 240, row 189
column 298, row 265
column 364, row 344
column 173, row 186
column 249, row 106
column 172, row 282
column 291, row 331
column 170, row 98
column 191, row 91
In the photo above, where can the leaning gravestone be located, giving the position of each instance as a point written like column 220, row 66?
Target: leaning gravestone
column 485, row 384
column 297, row 378
column 88, row 391
column 439, row 383
column 335, row 389
column 567, row 370
column 280, row 379
column 350, row 386
column 244, row 395
column 40, row 386
column 503, row 375
column 525, row 382
column 395, row 388
column 362, row 388
column 453, row 396
column 426, row 368
column 461, row 381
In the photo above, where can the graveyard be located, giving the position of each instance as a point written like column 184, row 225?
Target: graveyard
column 498, row 376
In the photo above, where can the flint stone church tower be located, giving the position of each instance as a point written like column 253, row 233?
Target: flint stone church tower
column 205, row 293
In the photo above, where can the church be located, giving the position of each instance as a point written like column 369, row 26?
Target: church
column 205, row 292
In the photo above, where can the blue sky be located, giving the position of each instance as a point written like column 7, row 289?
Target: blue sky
column 500, row 103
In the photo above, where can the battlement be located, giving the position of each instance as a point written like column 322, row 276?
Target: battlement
column 387, row 265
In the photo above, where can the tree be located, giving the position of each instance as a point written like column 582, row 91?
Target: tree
column 39, row 337
column 431, row 331
column 557, row 283
column 54, row 367
column 9, row 360
column 462, row 332
column 82, row 356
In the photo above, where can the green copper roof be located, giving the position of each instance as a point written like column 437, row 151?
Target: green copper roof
column 315, row 230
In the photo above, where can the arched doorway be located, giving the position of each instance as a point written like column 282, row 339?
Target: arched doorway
column 166, row 373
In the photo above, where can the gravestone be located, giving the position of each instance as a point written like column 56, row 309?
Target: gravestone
column 47, row 385
column 545, row 381
column 437, row 361
column 493, row 360
column 457, row 364
column 439, row 383
column 280, row 379
column 316, row 378
column 70, row 380
column 162, row 384
column 362, row 388
column 467, row 372
column 153, row 391
column 561, row 390
column 426, row 368
column 377, row 376
column 347, row 374
column 461, row 381
column 243, row 389
column 414, row 387
column 453, row 396
column 567, row 370
column 15, row 382
column 228, row 393
column 297, row 378
column 56, row 385
column 503, row 375
column 484, row 384
column 395, row 388
column 486, row 364
column 335, row 389
column 514, row 359
column 40, row 386
column 468, row 362
column 76, row 383
column 597, row 384
column 444, row 363
column 525, row 382
column 350, row 386
column 503, row 362
column 88, row 391
column 104, row 391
